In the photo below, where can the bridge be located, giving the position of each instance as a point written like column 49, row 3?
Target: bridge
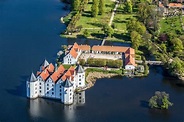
column 151, row 62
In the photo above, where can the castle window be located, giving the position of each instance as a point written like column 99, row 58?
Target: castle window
column 35, row 88
column 70, row 93
column 40, row 83
column 40, row 87
column 80, row 83
column 52, row 89
column 47, row 92
column 52, row 93
column 70, row 98
column 60, row 86
column 79, row 75
column 60, row 94
column 60, row 90
column 47, row 88
column 36, row 92
column 40, row 91
column 47, row 84
column 79, row 79
column 70, row 90
column 79, row 93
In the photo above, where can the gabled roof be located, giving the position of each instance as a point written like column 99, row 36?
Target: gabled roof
column 32, row 78
column 68, row 74
column 45, row 74
column 75, row 46
column 129, row 60
column 67, row 84
column 57, row 74
column 130, row 51
column 84, row 47
column 109, row 48
column 73, row 53
column 47, row 71
column 50, row 67
column 79, row 69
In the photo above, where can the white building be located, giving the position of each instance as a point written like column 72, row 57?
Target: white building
column 74, row 51
column 55, row 82
column 72, row 54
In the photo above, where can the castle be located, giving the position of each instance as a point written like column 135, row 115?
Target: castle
column 56, row 82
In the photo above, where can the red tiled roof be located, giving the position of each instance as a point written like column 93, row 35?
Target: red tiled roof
column 73, row 53
column 68, row 74
column 129, row 60
column 109, row 48
column 75, row 46
column 179, row 5
column 84, row 47
column 47, row 71
column 57, row 74
column 130, row 51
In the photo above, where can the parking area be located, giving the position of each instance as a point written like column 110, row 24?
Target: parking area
column 102, row 56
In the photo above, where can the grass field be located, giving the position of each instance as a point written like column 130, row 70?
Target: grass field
column 120, row 21
column 87, row 21
column 94, row 25
column 170, row 24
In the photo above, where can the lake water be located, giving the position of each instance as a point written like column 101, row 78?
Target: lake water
column 29, row 33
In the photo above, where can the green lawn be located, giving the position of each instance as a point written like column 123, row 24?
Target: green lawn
column 120, row 21
column 170, row 24
column 87, row 21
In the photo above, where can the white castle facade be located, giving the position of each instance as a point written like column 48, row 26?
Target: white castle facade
column 55, row 82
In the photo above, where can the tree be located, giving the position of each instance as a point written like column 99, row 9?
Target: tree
column 163, row 47
column 176, row 66
column 128, row 6
column 75, row 5
column 101, row 7
column 136, row 39
column 108, row 30
column 177, row 44
column 134, row 25
column 94, row 8
column 146, row 12
column 160, row 100
column 86, row 33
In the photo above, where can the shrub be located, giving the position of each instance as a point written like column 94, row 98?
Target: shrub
column 86, row 33
column 104, row 62
column 82, row 62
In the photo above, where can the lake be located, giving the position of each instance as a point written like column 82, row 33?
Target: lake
column 29, row 33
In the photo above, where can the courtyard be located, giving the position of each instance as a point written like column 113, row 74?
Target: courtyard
column 85, row 56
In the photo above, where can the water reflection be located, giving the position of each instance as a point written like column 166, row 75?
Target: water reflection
column 46, row 107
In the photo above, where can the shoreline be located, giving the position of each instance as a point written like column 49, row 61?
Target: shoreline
column 92, row 77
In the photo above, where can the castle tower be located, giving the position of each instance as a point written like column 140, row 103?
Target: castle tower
column 32, row 87
column 43, row 65
column 80, row 79
column 67, row 92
